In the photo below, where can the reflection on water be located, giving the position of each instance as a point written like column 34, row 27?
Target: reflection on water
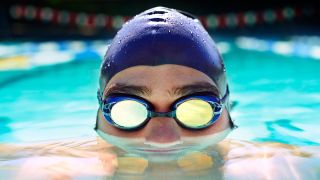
column 93, row 158
column 160, row 152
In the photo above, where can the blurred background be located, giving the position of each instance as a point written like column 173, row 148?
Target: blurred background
column 56, row 19
column 51, row 50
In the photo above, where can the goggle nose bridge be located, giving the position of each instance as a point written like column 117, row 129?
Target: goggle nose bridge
column 170, row 114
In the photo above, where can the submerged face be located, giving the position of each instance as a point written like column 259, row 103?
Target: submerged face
column 161, row 85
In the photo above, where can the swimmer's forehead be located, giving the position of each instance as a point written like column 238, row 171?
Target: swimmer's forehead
column 177, row 80
column 140, row 90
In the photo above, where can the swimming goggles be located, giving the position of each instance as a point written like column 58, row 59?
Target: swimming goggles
column 129, row 112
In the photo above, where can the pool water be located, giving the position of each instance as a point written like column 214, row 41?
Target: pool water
column 278, row 97
column 47, row 114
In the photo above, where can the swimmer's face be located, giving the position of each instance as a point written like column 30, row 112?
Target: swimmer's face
column 161, row 86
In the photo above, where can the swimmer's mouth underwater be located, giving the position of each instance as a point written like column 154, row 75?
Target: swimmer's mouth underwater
column 140, row 146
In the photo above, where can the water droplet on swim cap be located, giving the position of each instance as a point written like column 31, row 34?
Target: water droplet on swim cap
column 164, row 36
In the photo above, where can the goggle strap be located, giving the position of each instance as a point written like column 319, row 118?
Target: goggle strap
column 233, row 126
column 224, row 98
column 99, row 97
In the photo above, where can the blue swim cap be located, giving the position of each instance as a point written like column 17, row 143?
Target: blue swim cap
column 164, row 36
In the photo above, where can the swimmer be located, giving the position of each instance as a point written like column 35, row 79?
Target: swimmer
column 163, row 87
column 159, row 62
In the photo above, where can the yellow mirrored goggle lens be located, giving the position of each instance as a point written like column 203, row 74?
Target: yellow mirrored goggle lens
column 129, row 113
column 194, row 113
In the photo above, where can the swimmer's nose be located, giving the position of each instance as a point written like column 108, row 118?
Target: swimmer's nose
column 162, row 130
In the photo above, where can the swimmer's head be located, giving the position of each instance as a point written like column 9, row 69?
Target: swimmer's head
column 162, row 55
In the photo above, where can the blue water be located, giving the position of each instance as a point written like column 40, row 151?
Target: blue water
column 47, row 115
column 277, row 98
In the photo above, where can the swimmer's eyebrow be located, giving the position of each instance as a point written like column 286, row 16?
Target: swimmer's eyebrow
column 176, row 91
column 195, row 88
column 128, row 89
